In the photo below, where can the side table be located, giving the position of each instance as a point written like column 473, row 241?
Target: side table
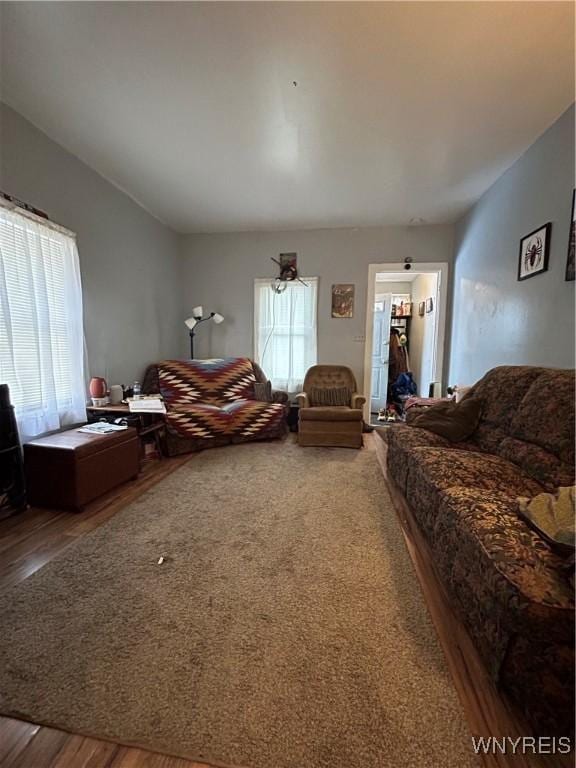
column 293, row 415
column 146, row 424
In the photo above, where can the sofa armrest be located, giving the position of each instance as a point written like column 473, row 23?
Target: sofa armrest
column 357, row 400
column 303, row 400
column 278, row 396
column 264, row 393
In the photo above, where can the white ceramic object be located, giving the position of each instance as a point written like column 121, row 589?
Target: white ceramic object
column 460, row 392
column 116, row 394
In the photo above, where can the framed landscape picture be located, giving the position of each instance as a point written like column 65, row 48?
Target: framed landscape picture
column 534, row 250
column 343, row 300
column 429, row 304
column 571, row 243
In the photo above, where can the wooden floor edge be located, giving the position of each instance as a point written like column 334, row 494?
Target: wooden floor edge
column 191, row 761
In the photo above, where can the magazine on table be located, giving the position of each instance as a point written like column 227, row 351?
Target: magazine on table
column 102, row 428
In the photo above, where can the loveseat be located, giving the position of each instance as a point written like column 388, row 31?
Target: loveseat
column 215, row 402
column 512, row 591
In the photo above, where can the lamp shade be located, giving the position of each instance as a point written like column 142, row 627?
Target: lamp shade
column 218, row 318
column 197, row 312
column 191, row 322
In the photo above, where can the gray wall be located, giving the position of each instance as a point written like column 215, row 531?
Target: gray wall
column 130, row 262
column 497, row 319
column 219, row 273
column 388, row 286
column 422, row 332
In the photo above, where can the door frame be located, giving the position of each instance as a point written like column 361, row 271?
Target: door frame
column 441, row 268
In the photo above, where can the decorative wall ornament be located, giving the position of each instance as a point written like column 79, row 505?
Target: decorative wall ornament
column 343, row 300
column 421, row 308
column 570, row 266
column 429, row 304
column 534, row 251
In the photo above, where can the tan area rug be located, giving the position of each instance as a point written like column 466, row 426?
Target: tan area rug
column 286, row 628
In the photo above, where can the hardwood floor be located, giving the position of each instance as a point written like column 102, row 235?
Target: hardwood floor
column 23, row 745
column 30, row 540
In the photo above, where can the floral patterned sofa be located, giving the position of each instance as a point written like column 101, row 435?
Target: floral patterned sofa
column 512, row 591
column 215, row 402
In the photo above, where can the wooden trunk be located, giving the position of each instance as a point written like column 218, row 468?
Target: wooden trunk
column 69, row 469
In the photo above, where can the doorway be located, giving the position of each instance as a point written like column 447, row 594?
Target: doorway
column 405, row 331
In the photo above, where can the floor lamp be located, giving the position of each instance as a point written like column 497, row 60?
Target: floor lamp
column 193, row 322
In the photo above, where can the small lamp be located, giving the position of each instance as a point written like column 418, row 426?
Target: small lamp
column 195, row 320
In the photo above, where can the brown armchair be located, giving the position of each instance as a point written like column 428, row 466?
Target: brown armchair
column 330, row 408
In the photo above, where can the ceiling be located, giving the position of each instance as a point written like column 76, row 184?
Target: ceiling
column 235, row 116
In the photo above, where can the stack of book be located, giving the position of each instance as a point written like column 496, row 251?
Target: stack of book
column 146, row 404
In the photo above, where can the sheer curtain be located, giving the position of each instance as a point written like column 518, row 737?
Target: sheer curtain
column 285, row 332
column 41, row 333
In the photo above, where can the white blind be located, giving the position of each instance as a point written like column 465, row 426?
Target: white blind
column 285, row 332
column 41, row 336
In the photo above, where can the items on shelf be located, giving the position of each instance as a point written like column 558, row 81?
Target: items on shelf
column 403, row 309
column 146, row 404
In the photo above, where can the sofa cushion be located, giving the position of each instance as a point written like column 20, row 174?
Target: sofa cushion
column 433, row 470
column 334, row 396
column 506, row 580
column 537, row 463
column 251, row 418
column 500, row 391
column 401, row 439
column 545, row 416
column 331, row 413
column 198, row 420
column 243, row 418
column 544, row 419
column 519, row 554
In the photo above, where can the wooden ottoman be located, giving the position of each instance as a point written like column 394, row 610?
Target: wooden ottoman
column 70, row 469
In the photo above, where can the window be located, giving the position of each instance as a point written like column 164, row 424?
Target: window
column 41, row 337
column 285, row 331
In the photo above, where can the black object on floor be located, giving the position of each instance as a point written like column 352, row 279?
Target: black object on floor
column 12, row 485
column 293, row 414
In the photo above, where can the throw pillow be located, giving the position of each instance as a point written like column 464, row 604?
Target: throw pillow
column 320, row 396
column 552, row 517
column 454, row 421
column 263, row 391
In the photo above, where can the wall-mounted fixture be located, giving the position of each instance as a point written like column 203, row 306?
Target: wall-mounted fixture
column 193, row 322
